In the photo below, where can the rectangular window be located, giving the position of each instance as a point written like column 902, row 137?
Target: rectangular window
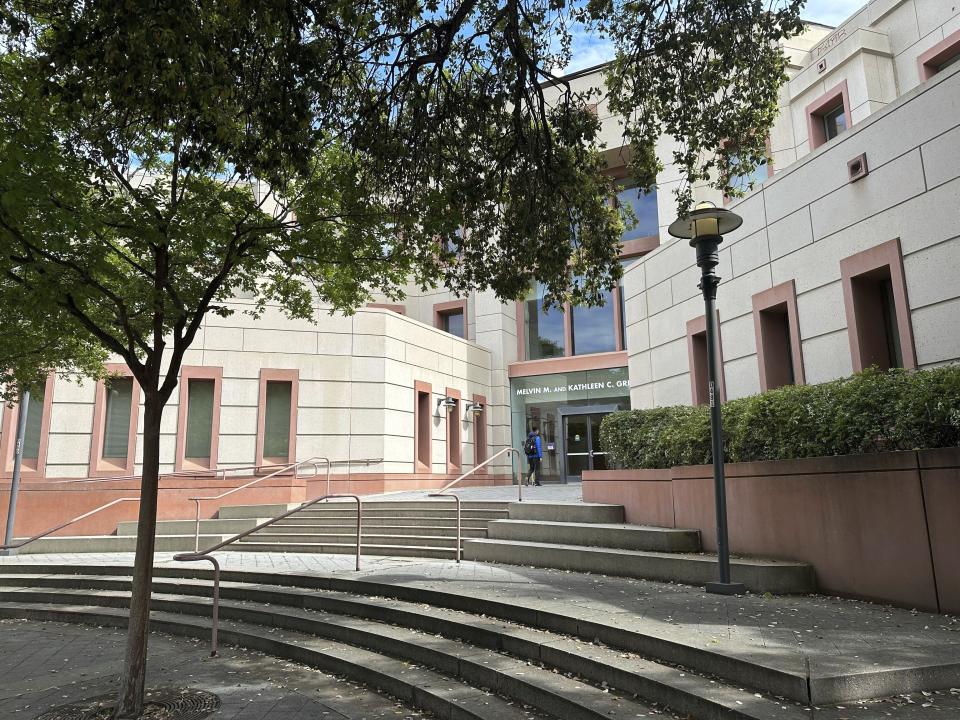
column 422, row 428
column 878, row 312
column 33, row 433
column 453, row 323
column 199, row 418
column 451, row 317
column 544, row 330
column 594, row 328
column 699, row 362
column 480, row 432
column 828, row 116
column 116, row 424
column 779, row 354
column 941, row 56
column 834, row 122
column 644, row 209
column 454, row 444
column 747, row 181
column 276, row 424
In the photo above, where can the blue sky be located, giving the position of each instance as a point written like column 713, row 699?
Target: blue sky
column 589, row 51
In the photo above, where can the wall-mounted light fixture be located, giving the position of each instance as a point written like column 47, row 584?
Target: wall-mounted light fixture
column 475, row 407
column 448, row 403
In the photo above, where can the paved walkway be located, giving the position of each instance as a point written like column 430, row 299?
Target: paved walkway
column 828, row 635
column 44, row 665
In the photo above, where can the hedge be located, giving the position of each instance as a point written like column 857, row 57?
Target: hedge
column 872, row 411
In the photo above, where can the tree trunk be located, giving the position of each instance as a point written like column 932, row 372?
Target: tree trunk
column 135, row 664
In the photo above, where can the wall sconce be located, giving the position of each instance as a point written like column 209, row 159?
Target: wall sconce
column 448, row 403
column 475, row 408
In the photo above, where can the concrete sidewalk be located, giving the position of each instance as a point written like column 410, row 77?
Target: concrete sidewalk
column 45, row 665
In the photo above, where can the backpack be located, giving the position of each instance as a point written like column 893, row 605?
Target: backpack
column 530, row 446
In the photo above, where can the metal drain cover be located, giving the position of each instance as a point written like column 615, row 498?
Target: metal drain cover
column 160, row 704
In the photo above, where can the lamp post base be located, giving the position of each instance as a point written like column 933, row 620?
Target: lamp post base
column 728, row 588
column 8, row 553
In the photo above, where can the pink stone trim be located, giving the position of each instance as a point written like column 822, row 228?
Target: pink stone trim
column 639, row 246
column 399, row 309
column 695, row 327
column 574, row 363
column 8, row 429
column 838, row 94
column 272, row 375
column 768, row 349
column 480, row 435
column 449, row 308
column 454, row 435
column 188, row 372
column 422, row 441
column 885, row 256
column 618, row 326
column 105, row 467
column 928, row 61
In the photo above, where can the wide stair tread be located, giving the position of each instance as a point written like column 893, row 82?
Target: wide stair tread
column 678, row 688
column 442, row 695
column 551, row 692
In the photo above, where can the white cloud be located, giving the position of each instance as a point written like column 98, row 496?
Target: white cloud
column 830, row 12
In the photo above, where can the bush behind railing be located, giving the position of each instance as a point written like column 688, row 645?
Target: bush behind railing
column 872, row 411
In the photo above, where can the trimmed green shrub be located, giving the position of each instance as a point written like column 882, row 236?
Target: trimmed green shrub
column 871, row 411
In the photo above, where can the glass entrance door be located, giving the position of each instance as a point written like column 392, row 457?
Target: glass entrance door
column 581, row 441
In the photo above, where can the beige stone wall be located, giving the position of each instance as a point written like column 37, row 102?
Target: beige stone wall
column 355, row 391
column 799, row 226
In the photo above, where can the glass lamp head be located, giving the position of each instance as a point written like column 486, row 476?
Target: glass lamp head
column 706, row 220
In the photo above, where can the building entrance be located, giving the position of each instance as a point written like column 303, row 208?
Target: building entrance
column 581, row 446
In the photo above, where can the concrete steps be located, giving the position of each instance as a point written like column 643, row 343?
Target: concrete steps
column 114, row 543
column 436, row 552
column 623, row 537
column 778, row 577
column 374, row 627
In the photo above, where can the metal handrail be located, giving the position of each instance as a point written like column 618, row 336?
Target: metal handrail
column 205, row 472
column 286, row 468
column 205, row 555
column 314, row 461
column 507, row 450
column 17, row 545
column 457, row 552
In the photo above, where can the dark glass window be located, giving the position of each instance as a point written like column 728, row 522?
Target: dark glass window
column 743, row 181
column 453, row 323
column 834, row 122
column 594, row 328
column 544, row 331
column 644, row 208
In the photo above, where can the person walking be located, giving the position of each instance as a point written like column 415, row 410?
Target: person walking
column 534, row 452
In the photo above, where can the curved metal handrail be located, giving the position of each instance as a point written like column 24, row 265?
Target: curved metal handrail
column 17, row 545
column 205, row 555
column 458, row 552
column 205, row 472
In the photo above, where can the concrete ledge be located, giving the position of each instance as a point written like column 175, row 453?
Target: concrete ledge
column 624, row 537
column 186, row 527
column 255, row 511
column 115, row 543
column 567, row 512
column 772, row 576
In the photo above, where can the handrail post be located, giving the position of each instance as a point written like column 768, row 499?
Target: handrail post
column 458, row 552
column 196, row 527
column 359, row 521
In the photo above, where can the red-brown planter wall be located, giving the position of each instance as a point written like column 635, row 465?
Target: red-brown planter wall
column 882, row 527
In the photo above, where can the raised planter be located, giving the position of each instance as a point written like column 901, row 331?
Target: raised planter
column 881, row 527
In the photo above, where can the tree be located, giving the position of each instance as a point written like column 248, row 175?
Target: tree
column 154, row 164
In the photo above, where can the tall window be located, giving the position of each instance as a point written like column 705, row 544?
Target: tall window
column 877, row 309
column 834, row 122
column 941, row 56
column 594, row 328
column 779, row 356
column 422, row 428
column 116, row 424
column 644, row 208
column 454, row 444
column 36, row 431
column 544, row 330
column 699, row 367
column 199, row 419
column 276, row 424
column 747, row 181
column 454, row 324
column 480, row 433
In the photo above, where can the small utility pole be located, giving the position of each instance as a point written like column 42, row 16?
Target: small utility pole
column 15, row 480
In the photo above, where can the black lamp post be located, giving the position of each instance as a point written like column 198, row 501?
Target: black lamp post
column 704, row 227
